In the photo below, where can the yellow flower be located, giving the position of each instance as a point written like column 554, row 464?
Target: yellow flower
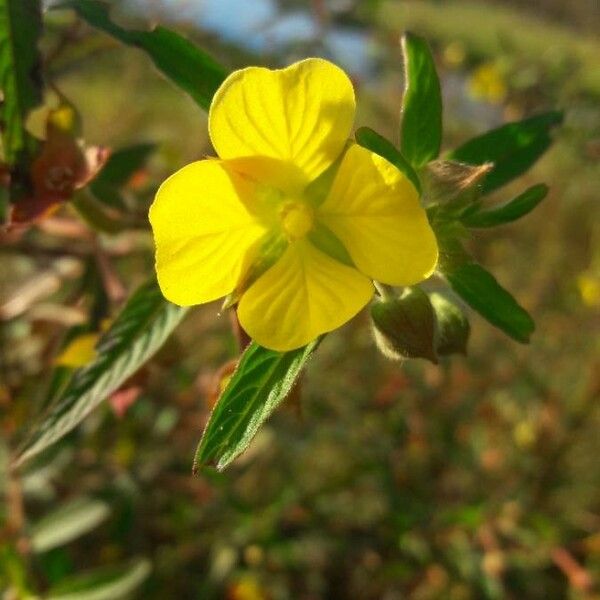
column 588, row 283
column 276, row 132
column 487, row 83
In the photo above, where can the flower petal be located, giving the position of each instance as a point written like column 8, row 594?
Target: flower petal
column 375, row 211
column 202, row 231
column 302, row 114
column 304, row 294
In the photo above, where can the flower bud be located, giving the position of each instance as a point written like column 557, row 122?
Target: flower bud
column 453, row 327
column 404, row 327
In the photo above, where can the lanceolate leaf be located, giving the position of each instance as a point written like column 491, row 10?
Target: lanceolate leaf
column 376, row 143
column 480, row 290
column 107, row 583
column 513, row 148
column 137, row 333
column 421, row 133
column 507, row 213
column 20, row 30
column 260, row 383
column 177, row 58
column 68, row 523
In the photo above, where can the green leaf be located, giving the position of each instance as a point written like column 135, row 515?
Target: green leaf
column 108, row 583
column 507, row 213
column 137, row 333
column 20, row 81
column 513, row 148
column 453, row 327
column 67, row 523
column 405, row 327
column 421, row 133
column 262, row 380
column 371, row 140
column 480, row 290
column 186, row 65
column 117, row 171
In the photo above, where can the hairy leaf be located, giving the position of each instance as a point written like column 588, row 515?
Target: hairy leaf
column 177, row 58
column 262, row 380
column 513, row 148
column 421, row 133
column 506, row 213
column 137, row 333
column 20, row 30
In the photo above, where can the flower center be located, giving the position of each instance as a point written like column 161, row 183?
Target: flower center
column 296, row 219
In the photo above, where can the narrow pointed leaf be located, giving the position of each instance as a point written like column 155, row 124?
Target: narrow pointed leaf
column 371, row 140
column 262, row 380
column 480, row 290
column 67, row 523
column 136, row 334
column 421, row 133
column 513, row 148
column 181, row 61
column 507, row 213
column 20, row 82
column 107, row 583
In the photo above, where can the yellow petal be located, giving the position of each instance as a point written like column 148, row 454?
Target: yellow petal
column 203, row 231
column 302, row 114
column 375, row 211
column 304, row 294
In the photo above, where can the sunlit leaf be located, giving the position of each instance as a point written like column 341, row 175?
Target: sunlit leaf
column 262, row 380
column 136, row 334
column 67, row 523
column 480, row 290
column 108, row 583
column 506, row 213
column 513, row 148
column 421, row 133
column 177, row 58
column 20, row 30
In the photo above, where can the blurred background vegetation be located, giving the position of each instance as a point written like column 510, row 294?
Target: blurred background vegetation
column 477, row 478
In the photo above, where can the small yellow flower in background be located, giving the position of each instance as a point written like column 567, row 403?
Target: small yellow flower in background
column 487, row 83
column 276, row 132
column 79, row 352
column 588, row 283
